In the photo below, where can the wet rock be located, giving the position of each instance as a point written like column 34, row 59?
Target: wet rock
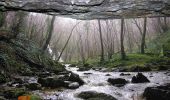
column 72, row 65
column 157, row 93
column 52, row 82
column 140, row 69
column 163, row 67
column 14, row 93
column 33, row 86
column 13, row 84
column 93, row 95
column 125, row 74
column 73, row 85
column 83, row 69
column 75, row 78
column 120, row 69
column 117, row 81
column 44, row 74
column 87, row 73
column 108, row 75
column 63, row 73
column 18, row 80
column 139, row 78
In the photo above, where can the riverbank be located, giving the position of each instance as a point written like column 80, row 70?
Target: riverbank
column 134, row 63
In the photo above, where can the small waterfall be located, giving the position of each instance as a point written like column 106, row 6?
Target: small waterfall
column 53, row 54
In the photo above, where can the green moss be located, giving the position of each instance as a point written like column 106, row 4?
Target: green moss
column 20, row 56
column 35, row 97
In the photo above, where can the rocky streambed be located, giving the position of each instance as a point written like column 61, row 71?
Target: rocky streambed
column 97, row 86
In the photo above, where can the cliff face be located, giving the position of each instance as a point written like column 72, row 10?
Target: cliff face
column 91, row 9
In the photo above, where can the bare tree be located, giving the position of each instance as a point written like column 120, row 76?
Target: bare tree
column 17, row 23
column 101, row 42
column 50, row 30
column 123, row 55
column 143, row 36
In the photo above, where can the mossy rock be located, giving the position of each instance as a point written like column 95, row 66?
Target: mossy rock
column 52, row 82
column 166, row 49
column 20, row 56
column 33, row 86
column 2, row 78
column 14, row 93
column 93, row 95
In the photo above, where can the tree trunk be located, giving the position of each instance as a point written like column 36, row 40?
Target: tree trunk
column 101, row 42
column 123, row 55
column 17, row 23
column 50, row 30
column 143, row 36
column 2, row 19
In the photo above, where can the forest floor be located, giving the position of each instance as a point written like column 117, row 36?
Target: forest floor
column 133, row 63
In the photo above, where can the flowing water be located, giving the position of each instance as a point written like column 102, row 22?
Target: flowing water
column 97, row 81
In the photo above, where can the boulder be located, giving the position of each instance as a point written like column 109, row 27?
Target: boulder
column 18, row 80
column 72, row 65
column 125, row 74
column 33, row 86
column 73, row 85
column 163, row 67
column 108, row 75
column 139, row 78
column 52, row 82
column 83, row 69
column 44, row 74
column 87, row 73
column 75, row 78
column 117, row 81
column 14, row 93
column 157, row 93
column 93, row 95
column 140, row 69
column 120, row 69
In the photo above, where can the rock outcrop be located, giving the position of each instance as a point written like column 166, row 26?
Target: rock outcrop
column 157, row 93
column 93, row 95
column 91, row 9
column 140, row 78
column 117, row 82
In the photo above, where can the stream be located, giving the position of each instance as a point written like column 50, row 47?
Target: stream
column 97, row 81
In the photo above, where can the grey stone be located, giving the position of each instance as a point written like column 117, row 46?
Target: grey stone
column 91, row 9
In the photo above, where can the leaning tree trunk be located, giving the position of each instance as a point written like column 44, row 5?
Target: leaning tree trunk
column 143, row 36
column 50, row 30
column 67, row 41
column 101, row 42
column 123, row 55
